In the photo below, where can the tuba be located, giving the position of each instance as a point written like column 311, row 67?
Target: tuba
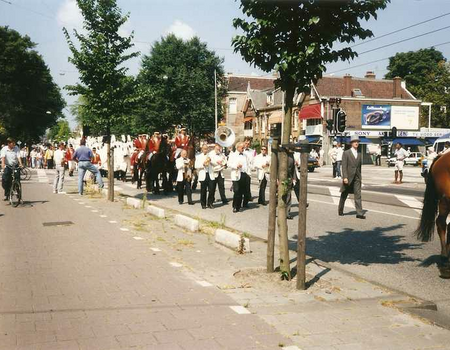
column 224, row 136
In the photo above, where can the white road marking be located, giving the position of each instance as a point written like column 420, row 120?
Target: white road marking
column 175, row 264
column 336, row 195
column 204, row 283
column 292, row 347
column 137, row 238
column 112, row 222
column 80, row 202
column 94, row 211
column 156, row 249
column 240, row 310
column 124, row 229
column 103, row 216
column 88, row 206
column 369, row 210
column 410, row 201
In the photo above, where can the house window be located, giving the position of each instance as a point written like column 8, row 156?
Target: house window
column 232, row 107
column 270, row 99
column 248, row 125
column 312, row 122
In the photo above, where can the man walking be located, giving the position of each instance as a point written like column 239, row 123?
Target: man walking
column 83, row 156
column 400, row 155
column 339, row 154
column 333, row 156
column 239, row 166
column 218, row 163
column 262, row 164
column 60, row 166
column 49, row 153
column 203, row 167
column 352, row 177
column 10, row 155
column 250, row 154
column 183, row 183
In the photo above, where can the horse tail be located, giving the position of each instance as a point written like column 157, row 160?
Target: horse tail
column 425, row 230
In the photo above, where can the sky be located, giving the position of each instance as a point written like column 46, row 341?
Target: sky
column 211, row 21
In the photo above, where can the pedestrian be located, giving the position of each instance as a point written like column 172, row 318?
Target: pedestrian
column 339, row 154
column 69, row 159
column 96, row 160
column 238, row 163
column 250, row 154
column 49, row 153
column 33, row 155
column 313, row 154
column 183, row 180
column 60, row 166
column 400, row 155
column 262, row 165
column 321, row 154
column 23, row 156
column 39, row 159
column 378, row 156
column 333, row 156
column 83, row 156
column 352, row 178
column 446, row 148
column 218, row 163
column 10, row 156
column 204, row 170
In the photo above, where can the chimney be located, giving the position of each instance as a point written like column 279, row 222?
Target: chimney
column 347, row 85
column 397, row 87
column 370, row 75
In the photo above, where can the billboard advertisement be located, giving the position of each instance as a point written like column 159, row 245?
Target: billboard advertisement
column 405, row 117
column 376, row 117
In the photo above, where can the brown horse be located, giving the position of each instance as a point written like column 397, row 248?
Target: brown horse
column 437, row 203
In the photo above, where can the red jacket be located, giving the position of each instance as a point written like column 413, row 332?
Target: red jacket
column 182, row 141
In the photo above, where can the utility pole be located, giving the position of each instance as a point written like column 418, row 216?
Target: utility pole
column 215, row 99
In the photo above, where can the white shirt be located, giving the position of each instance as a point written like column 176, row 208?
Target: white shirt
column 59, row 156
column 235, row 160
column 354, row 152
column 11, row 155
column 401, row 154
column 339, row 154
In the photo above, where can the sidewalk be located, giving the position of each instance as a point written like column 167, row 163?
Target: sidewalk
column 338, row 311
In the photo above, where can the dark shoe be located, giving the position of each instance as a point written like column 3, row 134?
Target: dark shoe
column 225, row 202
column 360, row 217
column 203, row 206
column 191, row 203
column 180, row 203
column 235, row 210
column 245, row 206
column 210, row 206
column 290, row 217
column 341, row 214
column 6, row 198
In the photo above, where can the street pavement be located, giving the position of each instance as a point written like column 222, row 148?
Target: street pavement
column 113, row 277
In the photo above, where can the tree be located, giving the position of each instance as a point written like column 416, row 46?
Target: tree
column 427, row 76
column 30, row 101
column 99, row 60
column 177, row 78
column 60, row 132
column 296, row 38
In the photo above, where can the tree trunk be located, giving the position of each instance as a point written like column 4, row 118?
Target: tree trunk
column 284, row 186
column 301, row 240
column 272, row 205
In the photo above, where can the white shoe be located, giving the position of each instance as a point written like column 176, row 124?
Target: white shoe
column 55, row 191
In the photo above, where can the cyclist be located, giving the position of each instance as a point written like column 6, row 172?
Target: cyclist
column 10, row 155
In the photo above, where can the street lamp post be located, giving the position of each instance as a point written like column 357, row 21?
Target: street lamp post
column 428, row 104
column 215, row 99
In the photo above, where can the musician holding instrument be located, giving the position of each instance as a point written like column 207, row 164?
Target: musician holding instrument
column 184, row 177
column 204, row 170
column 218, row 163
column 250, row 153
column 238, row 163
column 262, row 164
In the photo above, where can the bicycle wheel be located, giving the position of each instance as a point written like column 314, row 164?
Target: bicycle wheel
column 15, row 195
column 25, row 174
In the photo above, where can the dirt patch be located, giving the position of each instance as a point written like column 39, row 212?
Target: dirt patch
column 258, row 278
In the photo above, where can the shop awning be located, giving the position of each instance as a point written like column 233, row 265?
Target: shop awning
column 365, row 140
column 430, row 140
column 275, row 117
column 408, row 141
column 248, row 119
column 310, row 112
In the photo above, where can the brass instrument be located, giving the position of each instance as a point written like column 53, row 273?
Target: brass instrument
column 187, row 174
column 207, row 161
column 219, row 167
column 225, row 136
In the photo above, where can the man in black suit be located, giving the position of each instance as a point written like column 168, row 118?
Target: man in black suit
column 351, row 177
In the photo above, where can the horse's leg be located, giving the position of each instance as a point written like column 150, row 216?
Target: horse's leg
column 441, row 225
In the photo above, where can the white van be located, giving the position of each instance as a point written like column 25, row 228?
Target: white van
column 440, row 142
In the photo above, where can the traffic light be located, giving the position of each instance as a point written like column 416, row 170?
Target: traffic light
column 394, row 132
column 330, row 125
column 341, row 119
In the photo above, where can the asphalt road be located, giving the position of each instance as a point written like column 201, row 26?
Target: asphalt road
column 381, row 248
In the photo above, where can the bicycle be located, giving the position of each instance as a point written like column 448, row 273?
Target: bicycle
column 25, row 174
column 15, row 193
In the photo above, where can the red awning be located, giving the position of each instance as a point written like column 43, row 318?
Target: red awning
column 248, row 119
column 310, row 112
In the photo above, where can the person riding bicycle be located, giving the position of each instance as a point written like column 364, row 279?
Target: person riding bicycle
column 10, row 155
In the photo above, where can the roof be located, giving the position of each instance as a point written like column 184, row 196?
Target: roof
column 370, row 88
column 240, row 83
column 259, row 99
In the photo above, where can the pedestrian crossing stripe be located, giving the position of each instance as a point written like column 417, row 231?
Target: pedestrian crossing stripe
column 240, row 310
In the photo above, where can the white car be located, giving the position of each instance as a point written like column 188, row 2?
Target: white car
column 415, row 158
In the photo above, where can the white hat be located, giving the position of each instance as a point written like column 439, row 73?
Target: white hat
column 334, row 143
column 354, row 138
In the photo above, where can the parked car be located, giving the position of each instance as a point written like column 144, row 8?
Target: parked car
column 415, row 158
column 312, row 164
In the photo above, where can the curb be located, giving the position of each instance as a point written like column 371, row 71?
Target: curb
column 158, row 212
column 233, row 241
column 186, row 222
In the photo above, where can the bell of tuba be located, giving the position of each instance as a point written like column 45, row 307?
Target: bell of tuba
column 225, row 136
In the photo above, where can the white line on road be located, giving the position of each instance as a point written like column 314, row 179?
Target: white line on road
column 240, row 310
column 175, row 264
column 103, row 216
column 88, row 206
column 80, row 202
column 410, row 201
column 137, row 238
column 94, row 211
column 112, row 222
column 155, row 249
column 204, row 283
column 292, row 347
column 336, row 194
column 124, row 229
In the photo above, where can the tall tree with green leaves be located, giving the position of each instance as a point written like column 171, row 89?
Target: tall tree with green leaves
column 427, row 75
column 60, row 132
column 297, row 39
column 100, row 61
column 30, row 101
column 177, row 78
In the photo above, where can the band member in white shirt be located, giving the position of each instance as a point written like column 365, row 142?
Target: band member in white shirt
column 250, row 153
column 262, row 164
column 183, row 178
column 238, row 163
column 218, row 163
column 204, row 170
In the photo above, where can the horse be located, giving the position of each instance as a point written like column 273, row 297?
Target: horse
column 436, row 207
column 156, row 166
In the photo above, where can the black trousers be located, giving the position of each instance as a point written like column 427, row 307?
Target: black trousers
column 248, row 192
column 355, row 188
column 240, row 197
column 207, row 186
column 184, row 186
column 219, row 182
column 7, row 180
column 49, row 163
column 262, row 190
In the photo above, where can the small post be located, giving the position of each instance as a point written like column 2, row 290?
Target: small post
column 275, row 134
column 301, row 241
